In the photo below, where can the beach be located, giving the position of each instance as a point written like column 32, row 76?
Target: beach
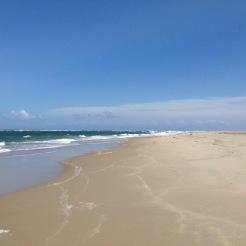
column 185, row 189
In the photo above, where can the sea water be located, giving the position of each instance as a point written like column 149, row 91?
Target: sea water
column 29, row 158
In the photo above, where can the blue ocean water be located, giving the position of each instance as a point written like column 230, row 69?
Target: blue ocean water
column 16, row 141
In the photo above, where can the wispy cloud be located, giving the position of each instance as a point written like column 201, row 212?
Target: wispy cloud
column 212, row 113
column 200, row 114
column 21, row 115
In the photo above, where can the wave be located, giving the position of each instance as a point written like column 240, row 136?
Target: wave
column 133, row 135
column 36, row 145
column 2, row 144
column 40, row 147
column 52, row 141
column 77, row 140
column 4, row 150
column 129, row 135
column 165, row 133
column 60, row 141
column 100, row 137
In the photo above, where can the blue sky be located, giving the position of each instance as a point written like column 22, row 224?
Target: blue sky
column 95, row 55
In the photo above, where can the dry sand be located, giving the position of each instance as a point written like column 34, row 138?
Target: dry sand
column 166, row 191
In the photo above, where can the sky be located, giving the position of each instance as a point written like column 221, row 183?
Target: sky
column 161, row 65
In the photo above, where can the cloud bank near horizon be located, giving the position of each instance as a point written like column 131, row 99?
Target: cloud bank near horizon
column 186, row 114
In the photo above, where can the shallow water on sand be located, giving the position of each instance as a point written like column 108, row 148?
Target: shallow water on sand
column 24, row 169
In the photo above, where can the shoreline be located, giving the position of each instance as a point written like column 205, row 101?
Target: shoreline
column 67, row 166
column 37, row 168
column 67, row 169
column 186, row 189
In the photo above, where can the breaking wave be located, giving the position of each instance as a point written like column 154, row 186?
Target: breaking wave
column 3, row 150
column 48, row 141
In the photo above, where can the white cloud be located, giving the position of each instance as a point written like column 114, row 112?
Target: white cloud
column 190, row 114
column 22, row 115
column 212, row 113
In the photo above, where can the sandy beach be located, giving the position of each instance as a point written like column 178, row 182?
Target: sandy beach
column 188, row 189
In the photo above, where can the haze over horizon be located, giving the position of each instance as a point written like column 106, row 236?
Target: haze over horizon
column 161, row 65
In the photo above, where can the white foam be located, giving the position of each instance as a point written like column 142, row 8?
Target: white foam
column 99, row 137
column 39, row 147
column 132, row 135
column 96, row 139
column 126, row 135
column 61, row 141
column 4, row 150
column 88, row 205
column 53, row 141
column 150, row 134
column 77, row 172
column 4, row 231
column 2, row 144
column 165, row 133
column 98, row 227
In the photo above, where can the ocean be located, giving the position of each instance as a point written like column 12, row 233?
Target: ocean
column 24, row 141
column 29, row 158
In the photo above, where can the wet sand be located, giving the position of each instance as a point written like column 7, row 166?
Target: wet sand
column 175, row 190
